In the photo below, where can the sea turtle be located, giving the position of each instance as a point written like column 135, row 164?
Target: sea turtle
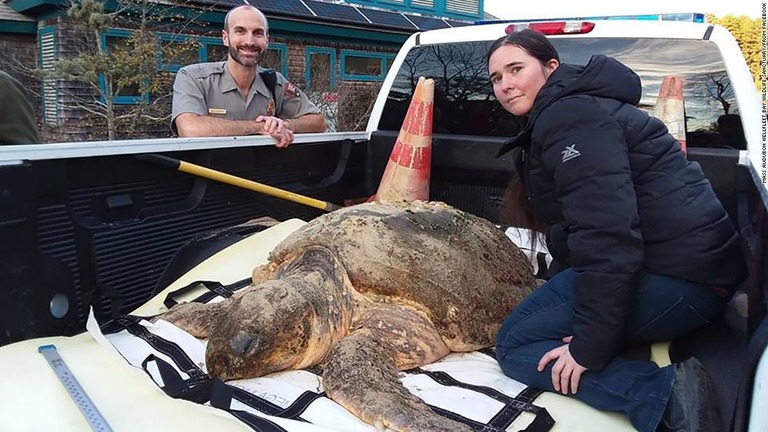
column 367, row 290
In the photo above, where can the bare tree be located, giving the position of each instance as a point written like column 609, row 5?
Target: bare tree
column 463, row 95
column 719, row 88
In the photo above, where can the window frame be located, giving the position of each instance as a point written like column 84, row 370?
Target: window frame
column 383, row 65
column 118, row 100
column 283, row 49
column 170, row 37
column 205, row 41
column 308, row 52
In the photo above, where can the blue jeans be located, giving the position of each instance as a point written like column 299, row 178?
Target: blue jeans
column 663, row 308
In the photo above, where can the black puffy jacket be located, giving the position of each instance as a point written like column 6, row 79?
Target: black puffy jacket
column 617, row 196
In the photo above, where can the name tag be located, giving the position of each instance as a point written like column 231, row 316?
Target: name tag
column 217, row 111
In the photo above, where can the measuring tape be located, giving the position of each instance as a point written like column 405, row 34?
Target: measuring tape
column 89, row 410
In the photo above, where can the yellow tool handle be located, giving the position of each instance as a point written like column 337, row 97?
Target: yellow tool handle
column 240, row 182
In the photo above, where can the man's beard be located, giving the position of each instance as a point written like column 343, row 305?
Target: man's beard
column 245, row 62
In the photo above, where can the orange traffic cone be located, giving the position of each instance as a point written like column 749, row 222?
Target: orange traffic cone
column 670, row 107
column 406, row 177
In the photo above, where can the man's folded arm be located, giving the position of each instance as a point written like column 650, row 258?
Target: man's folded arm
column 307, row 123
column 195, row 125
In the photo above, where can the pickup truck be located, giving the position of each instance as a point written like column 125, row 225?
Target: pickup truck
column 94, row 233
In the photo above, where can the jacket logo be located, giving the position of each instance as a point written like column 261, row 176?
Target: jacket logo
column 570, row 152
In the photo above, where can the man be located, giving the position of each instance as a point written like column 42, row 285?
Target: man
column 17, row 118
column 231, row 97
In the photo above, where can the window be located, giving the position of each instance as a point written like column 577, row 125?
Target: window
column 321, row 69
column 364, row 66
column 212, row 50
column 464, row 101
column 176, row 51
column 123, row 88
column 276, row 58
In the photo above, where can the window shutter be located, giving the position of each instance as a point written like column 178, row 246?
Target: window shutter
column 47, row 41
column 463, row 6
column 429, row 4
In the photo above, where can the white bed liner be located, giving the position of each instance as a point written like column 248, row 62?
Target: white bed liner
column 131, row 399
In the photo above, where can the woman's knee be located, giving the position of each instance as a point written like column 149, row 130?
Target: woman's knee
column 505, row 338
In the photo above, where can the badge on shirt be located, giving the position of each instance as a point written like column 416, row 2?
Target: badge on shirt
column 217, row 111
column 271, row 108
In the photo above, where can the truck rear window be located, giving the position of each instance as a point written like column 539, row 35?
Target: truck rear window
column 465, row 105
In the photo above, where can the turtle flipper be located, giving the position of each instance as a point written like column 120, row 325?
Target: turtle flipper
column 360, row 375
column 193, row 318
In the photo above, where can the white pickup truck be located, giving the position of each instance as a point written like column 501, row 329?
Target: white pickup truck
column 94, row 233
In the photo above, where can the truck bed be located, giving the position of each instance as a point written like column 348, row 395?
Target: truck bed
column 110, row 230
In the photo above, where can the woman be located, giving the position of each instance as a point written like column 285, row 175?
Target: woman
column 647, row 249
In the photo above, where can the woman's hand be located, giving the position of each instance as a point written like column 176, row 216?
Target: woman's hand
column 566, row 372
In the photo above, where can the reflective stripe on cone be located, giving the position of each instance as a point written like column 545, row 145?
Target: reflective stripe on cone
column 670, row 107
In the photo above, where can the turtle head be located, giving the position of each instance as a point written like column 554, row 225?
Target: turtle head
column 266, row 330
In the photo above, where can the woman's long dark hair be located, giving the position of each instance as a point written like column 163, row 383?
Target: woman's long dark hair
column 515, row 210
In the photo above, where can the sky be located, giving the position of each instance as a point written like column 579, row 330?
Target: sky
column 527, row 8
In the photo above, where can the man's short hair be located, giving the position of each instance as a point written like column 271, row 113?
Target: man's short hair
column 263, row 17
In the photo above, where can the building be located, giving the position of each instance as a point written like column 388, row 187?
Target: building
column 337, row 52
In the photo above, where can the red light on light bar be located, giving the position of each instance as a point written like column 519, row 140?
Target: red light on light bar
column 553, row 28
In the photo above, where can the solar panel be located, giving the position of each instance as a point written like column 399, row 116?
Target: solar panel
column 230, row 3
column 288, row 7
column 336, row 12
column 426, row 23
column 392, row 19
column 455, row 23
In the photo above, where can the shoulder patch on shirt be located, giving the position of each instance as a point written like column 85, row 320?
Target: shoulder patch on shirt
column 290, row 90
column 570, row 152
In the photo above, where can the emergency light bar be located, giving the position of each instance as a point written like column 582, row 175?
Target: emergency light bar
column 553, row 27
column 688, row 17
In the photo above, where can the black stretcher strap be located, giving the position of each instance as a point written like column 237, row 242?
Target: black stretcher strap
column 513, row 406
column 543, row 421
column 195, row 389
column 475, row 425
column 221, row 398
column 214, row 289
column 541, row 263
column 201, row 388
column 301, row 404
column 170, row 349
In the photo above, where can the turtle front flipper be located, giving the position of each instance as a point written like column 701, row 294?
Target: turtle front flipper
column 360, row 375
column 194, row 318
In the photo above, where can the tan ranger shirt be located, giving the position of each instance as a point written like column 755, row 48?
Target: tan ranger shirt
column 209, row 89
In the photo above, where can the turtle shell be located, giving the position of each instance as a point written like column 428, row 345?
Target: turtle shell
column 460, row 270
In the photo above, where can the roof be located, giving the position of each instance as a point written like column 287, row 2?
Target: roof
column 345, row 14
column 8, row 14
